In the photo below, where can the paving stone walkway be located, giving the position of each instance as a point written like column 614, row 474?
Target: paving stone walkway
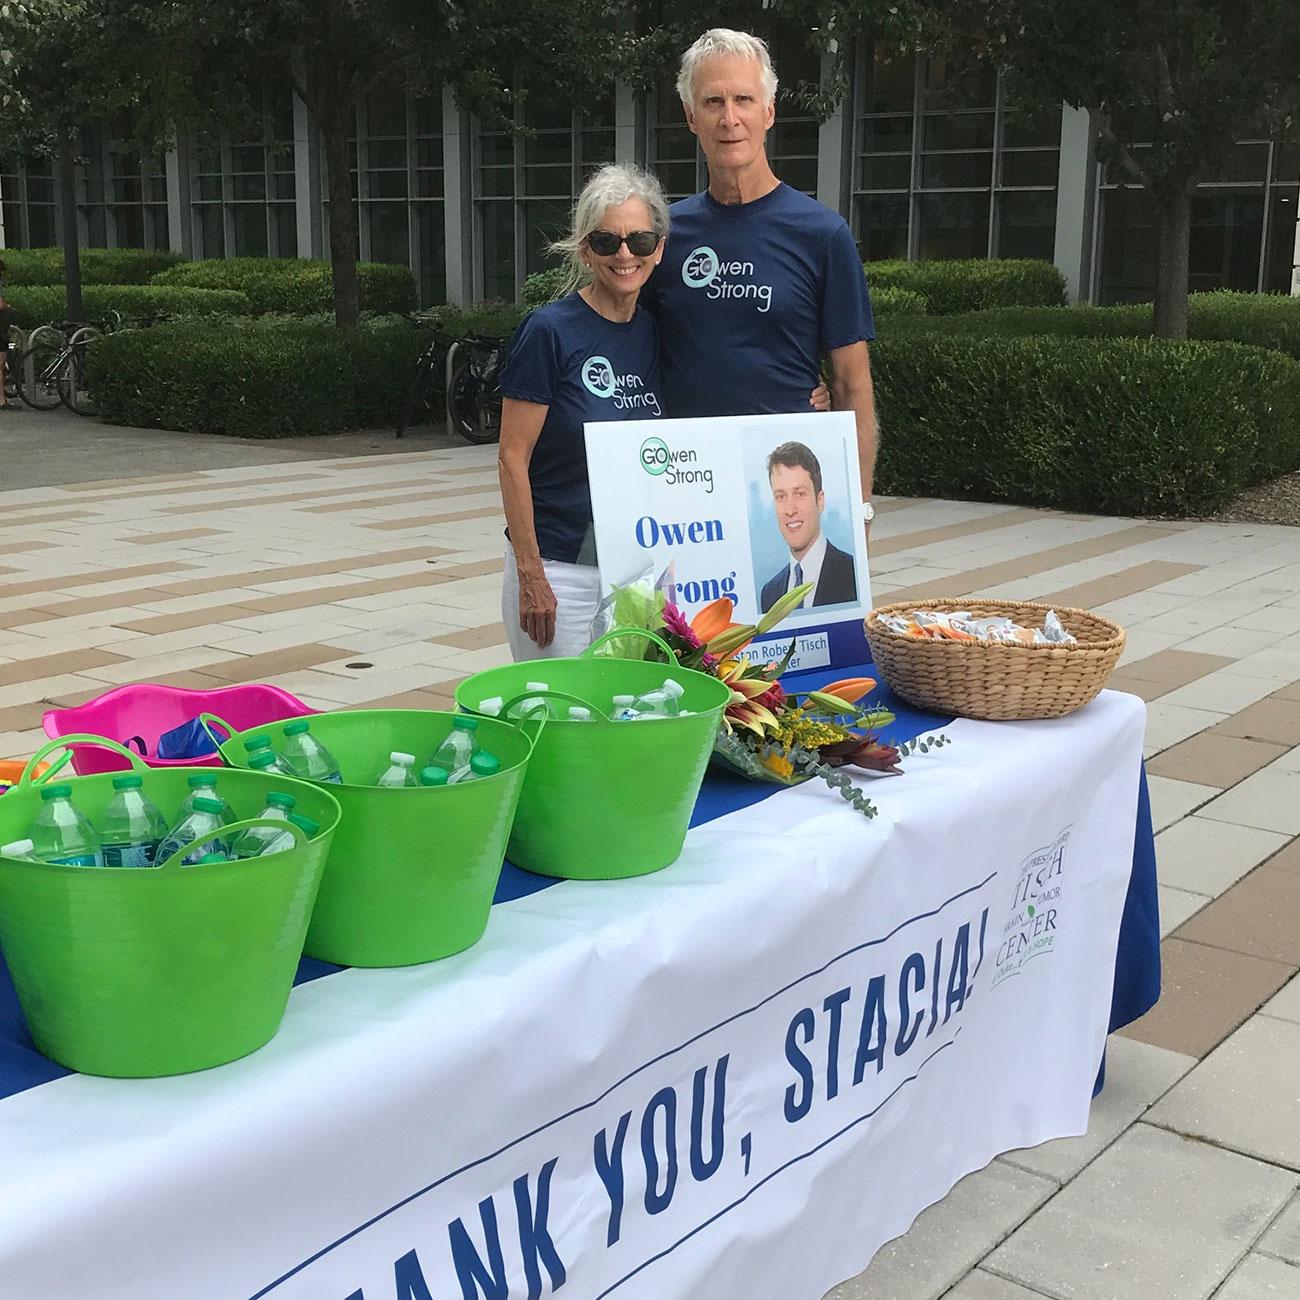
column 374, row 579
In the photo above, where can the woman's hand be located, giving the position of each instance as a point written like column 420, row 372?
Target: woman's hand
column 821, row 398
column 536, row 606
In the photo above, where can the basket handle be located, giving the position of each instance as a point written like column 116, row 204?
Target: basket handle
column 550, row 694
column 208, row 719
column 173, row 863
column 630, row 631
column 67, row 742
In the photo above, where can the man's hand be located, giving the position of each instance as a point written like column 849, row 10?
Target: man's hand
column 820, row 400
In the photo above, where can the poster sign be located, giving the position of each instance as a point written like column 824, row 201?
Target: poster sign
column 746, row 507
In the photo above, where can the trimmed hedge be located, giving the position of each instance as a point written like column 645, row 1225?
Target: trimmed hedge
column 39, row 304
column 259, row 380
column 1115, row 426
column 544, row 286
column 1264, row 320
column 495, row 319
column 897, row 302
column 972, row 284
column 294, row 286
column 98, row 265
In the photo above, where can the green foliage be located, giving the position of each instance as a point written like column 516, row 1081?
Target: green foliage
column 544, row 286
column 294, row 286
column 1265, row 320
column 41, row 304
column 98, row 265
column 495, row 319
column 972, row 284
column 256, row 379
column 1116, row 426
column 893, row 302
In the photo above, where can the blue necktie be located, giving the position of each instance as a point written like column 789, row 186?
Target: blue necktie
column 798, row 575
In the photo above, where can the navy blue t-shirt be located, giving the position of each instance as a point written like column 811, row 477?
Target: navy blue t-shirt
column 568, row 357
column 749, row 297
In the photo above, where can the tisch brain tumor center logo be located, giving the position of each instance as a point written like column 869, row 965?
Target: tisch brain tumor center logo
column 700, row 268
column 598, row 377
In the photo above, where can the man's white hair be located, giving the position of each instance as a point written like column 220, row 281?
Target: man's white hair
column 719, row 41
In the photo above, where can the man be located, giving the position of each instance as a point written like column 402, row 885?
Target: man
column 758, row 281
column 795, row 476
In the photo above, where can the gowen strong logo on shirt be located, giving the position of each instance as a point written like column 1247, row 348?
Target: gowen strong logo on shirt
column 628, row 392
column 704, row 269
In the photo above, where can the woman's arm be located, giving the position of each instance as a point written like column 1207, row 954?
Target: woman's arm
column 521, row 426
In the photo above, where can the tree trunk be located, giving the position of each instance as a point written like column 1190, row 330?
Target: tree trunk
column 343, row 221
column 68, row 211
column 1175, row 232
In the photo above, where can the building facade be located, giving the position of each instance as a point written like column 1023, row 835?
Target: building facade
column 919, row 167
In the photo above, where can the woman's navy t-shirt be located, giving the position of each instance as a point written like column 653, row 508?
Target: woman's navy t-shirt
column 569, row 358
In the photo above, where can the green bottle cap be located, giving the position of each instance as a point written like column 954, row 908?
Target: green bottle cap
column 257, row 742
column 279, row 799
column 49, row 792
column 127, row 782
column 434, row 776
column 305, row 824
column 201, row 779
column 297, row 728
column 263, row 758
column 465, row 722
column 484, row 764
column 203, row 804
column 213, row 857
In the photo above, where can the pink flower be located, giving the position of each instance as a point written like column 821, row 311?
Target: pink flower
column 675, row 622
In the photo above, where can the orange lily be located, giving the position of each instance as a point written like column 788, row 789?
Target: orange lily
column 712, row 619
column 850, row 689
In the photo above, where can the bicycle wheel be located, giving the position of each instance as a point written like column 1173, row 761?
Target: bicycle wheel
column 473, row 396
column 74, row 385
column 416, row 409
column 38, row 374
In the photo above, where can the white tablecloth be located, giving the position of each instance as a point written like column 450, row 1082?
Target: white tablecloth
column 735, row 1078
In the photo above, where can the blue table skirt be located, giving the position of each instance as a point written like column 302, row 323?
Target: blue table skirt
column 1137, row 963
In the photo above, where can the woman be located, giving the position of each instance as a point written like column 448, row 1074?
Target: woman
column 567, row 362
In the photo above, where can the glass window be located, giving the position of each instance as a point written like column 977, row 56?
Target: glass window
column 1281, row 239
column 884, row 227
column 250, row 230
column 1026, row 167
column 949, row 171
column 210, row 230
column 1227, row 227
column 285, row 220
column 389, row 235
column 432, row 251
column 498, row 227
column 953, row 225
column 1027, row 224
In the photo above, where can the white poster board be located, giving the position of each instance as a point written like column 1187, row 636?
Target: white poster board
column 711, row 499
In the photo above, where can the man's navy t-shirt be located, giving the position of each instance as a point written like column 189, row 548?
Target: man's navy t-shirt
column 749, row 297
column 568, row 357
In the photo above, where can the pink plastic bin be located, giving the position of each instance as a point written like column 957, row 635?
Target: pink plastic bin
column 148, row 711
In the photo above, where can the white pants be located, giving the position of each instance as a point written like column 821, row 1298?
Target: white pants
column 577, row 593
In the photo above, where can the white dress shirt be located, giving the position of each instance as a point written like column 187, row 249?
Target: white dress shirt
column 810, row 566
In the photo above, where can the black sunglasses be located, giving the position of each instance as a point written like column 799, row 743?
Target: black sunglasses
column 640, row 243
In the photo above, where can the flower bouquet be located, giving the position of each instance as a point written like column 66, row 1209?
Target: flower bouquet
column 769, row 734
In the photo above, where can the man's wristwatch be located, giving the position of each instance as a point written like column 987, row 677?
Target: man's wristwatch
column 868, row 512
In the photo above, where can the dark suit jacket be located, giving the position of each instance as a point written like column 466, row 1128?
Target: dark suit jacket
column 837, row 585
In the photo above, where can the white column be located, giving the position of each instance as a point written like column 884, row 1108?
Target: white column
column 1295, row 257
column 625, row 124
column 457, row 214
column 306, row 183
column 178, row 210
column 1076, row 180
column 833, row 137
column 2, row 215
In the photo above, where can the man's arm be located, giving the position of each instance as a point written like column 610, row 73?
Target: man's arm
column 852, row 390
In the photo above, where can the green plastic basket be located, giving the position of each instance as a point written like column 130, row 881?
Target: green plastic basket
column 603, row 799
column 139, row 972
column 411, row 873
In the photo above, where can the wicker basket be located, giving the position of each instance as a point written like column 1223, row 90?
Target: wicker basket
column 998, row 682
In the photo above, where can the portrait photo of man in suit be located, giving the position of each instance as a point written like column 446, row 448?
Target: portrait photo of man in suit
column 798, row 501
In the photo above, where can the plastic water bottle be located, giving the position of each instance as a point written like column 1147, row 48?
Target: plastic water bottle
column 491, row 706
column 458, row 748
column 23, row 849
column 60, row 833
column 201, row 783
column 650, row 704
column 623, row 708
column 269, row 762
column 674, row 692
column 212, row 857
column 481, row 764
column 400, row 772
column 434, row 775
column 282, row 841
column 205, row 817
column 252, row 842
column 306, row 757
column 132, row 826
column 254, row 743
column 579, row 714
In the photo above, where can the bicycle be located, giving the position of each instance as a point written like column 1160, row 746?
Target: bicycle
column 52, row 367
column 472, row 392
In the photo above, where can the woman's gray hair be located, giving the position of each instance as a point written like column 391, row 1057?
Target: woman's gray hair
column 715, row 43
column 613, row 184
